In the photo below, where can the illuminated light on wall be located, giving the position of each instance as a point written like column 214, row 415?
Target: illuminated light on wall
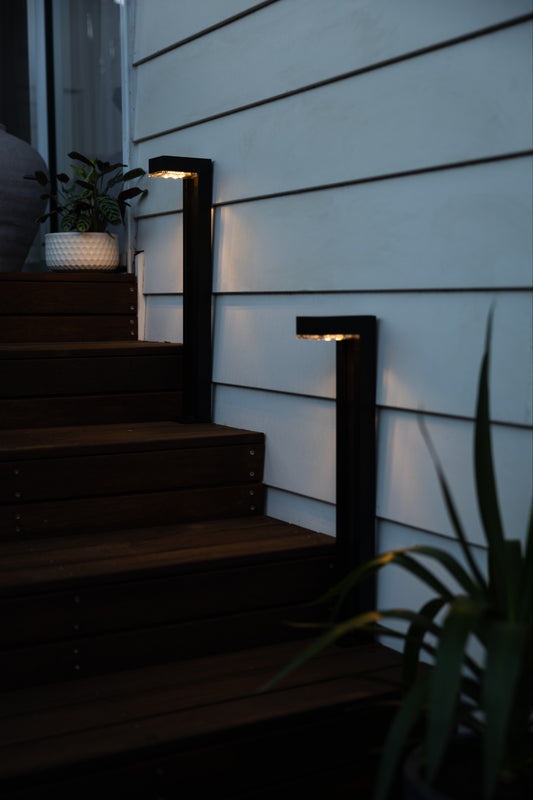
column 167, row 173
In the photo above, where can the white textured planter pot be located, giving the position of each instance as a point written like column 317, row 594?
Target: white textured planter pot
column 65, row 252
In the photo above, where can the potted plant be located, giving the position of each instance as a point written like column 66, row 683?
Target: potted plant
column 486, row 698
column 88, row 203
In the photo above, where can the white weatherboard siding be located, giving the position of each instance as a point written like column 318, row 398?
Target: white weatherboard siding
column 422, row 341
column 317, row 211
column 469, row 101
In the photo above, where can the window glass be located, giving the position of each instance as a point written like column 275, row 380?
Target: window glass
column 87, row 79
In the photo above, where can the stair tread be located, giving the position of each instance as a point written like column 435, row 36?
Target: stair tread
column 85, row 349
column 143, row 711
column 58, row 563
column 118, row 437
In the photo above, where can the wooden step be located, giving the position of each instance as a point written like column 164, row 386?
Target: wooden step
column 103, row 477
column 76, row 606
column 199, row 726
column 86, row 383
column 53, row 307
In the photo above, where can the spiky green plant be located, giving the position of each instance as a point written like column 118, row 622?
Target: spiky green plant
column 492, row 697
column 85, row 202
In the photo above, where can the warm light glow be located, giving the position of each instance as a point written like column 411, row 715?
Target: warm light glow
column 168, row 173
column 328, row 337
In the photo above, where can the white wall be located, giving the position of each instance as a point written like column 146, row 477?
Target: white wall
column 371, row 157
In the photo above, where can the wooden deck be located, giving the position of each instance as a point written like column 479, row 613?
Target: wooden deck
column 145, row 596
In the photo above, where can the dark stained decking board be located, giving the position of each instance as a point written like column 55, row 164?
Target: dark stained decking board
column 144, row 595
column 52, row 564
column 66, row 384
column 178, row 717
column 120, row 437
column 51, row 412
column 50, row 307
column 154, row 595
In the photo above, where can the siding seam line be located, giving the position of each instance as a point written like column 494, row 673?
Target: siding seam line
column 515, row 21
column 380, row 406
column 386, row 176
column 448, row 537
column 204, row 32
column 314, row 292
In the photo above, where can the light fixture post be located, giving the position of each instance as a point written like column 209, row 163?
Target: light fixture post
column 197, row 176
column 356, row 351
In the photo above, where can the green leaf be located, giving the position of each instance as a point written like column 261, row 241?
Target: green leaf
column 504, row 656
column 62, row 177
column 84, row 184
column 446, row 676
column 415, row 638
column 398, row 736
column 450, row 506
column 485, row 481
column 79, row 157
column 68, row 222
column 109, row 208
column 320, row 643
column 106, row 167
column 525, row 599
column 137, row 172
column 415, row 568
column 453, row 567
column 39, row 176
column 366, row 621
column 83, row 224
column 128, row 193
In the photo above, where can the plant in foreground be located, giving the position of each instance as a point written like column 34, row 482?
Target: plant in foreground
column 492, row 696
column 85, row 201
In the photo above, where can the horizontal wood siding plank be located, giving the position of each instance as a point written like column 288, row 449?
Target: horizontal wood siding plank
column 298, row 510
column 164, row 318
column 448, row 229
column 260, row 56
column 300, row 437
column 162, row 241
column 181, row 20
column 408, row 490
column 85, row 476
column 392, row 535
column 429, row 348
column 470, row 101
column 300, row 458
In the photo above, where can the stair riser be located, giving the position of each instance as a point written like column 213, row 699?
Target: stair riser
column 49, row 377
column 98, row 514
column 27, row 481
column 68, row 308
column 75, row 293
column 91, row 410
column 69, row 329
column 98, row 655
column 83, row 611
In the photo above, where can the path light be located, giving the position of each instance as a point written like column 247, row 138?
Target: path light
column 356, row 339
column 197, row 176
